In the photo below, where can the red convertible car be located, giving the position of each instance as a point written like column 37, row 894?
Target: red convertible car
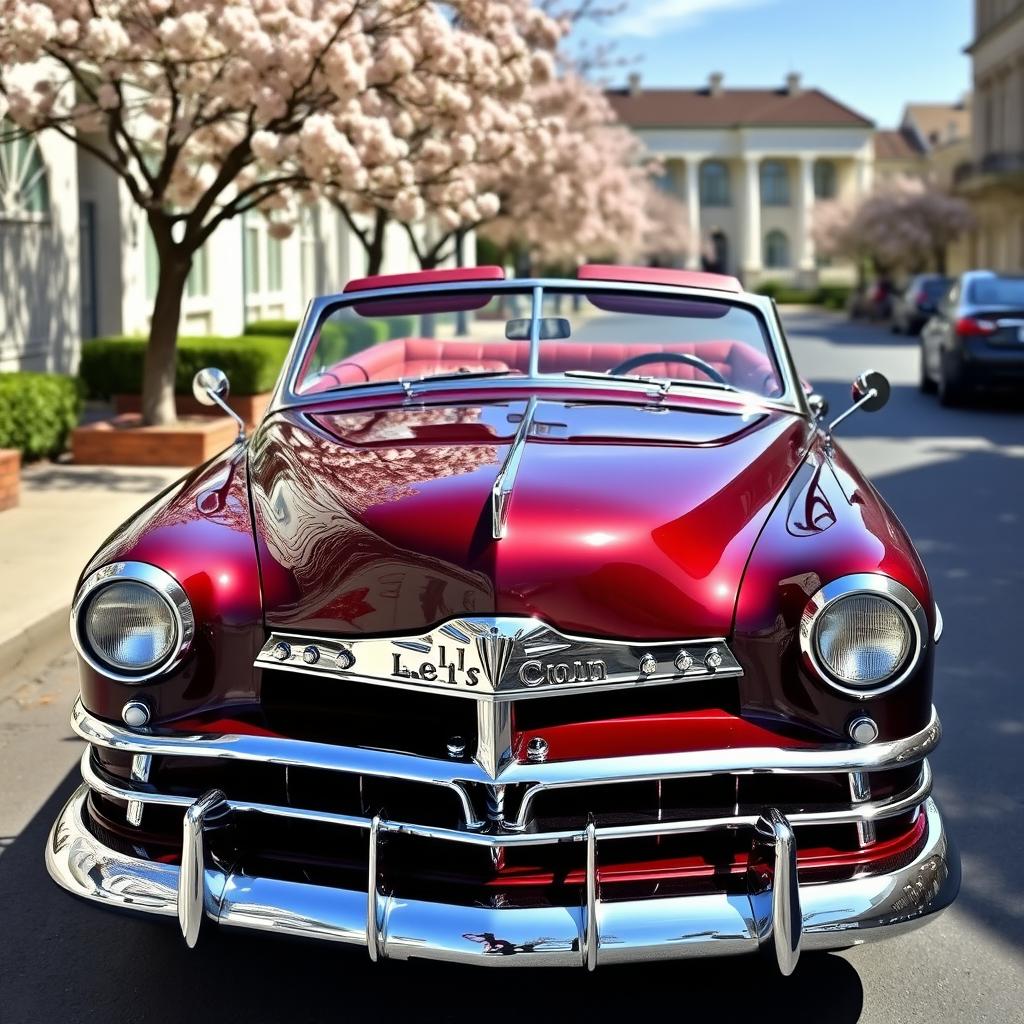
column 554, row 629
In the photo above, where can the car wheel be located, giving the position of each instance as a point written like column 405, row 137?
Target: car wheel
column 927, row 385
column 951, row 387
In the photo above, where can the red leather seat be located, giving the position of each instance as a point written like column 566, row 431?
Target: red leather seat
column 739, row 363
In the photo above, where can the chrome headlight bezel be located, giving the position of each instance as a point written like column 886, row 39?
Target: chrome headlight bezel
column 170, row 592
column 874, row 584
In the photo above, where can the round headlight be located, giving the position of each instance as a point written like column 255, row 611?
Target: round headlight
column 863, row 634
column 130, row 626
column 132, row 621
column 863, row 640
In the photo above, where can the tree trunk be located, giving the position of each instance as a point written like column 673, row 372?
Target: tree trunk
column 940, row 259
column 161, row 351
column 374, row 243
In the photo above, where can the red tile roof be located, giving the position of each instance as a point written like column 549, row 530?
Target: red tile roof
column 699, row 108
column 896, row 144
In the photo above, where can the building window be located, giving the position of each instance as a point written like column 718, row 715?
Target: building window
column 308, row 251
column 198, row 284
column 714, row 183
column 275, row 281
column 252, row 259
column 774, row 183
column 824, row 179
column 24, row 191
column 776, row 249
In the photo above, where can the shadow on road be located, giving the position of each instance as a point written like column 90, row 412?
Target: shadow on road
column 104, row 966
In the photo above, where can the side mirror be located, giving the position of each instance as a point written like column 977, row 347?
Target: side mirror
column 818, row 405
column 870, row 392
column 210, row 387
column 210, row 384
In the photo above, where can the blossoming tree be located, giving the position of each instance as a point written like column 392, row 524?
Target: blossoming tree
column 904, row 224
column 208, row 108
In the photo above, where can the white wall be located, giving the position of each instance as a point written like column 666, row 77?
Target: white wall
column 39, row 321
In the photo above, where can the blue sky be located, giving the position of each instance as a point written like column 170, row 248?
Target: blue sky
column 874, row 55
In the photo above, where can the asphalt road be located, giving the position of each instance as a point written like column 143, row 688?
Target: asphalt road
column 955, row 478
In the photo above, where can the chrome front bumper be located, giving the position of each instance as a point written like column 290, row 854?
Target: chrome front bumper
column 776, row 912
column 783, row 917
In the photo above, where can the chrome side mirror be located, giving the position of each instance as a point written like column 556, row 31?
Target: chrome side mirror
column 210, row 387
column 818, row 404
column 870, row 392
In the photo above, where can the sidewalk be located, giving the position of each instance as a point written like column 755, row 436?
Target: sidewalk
column 66, row 512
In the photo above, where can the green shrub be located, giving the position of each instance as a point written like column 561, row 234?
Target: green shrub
column 833, row 296
column 37, row 412
column 272, row 328
column 113, row 366
column 401, row 326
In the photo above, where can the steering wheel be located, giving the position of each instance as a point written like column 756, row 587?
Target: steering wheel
column 669, row 357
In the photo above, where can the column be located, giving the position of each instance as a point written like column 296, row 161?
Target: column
column 805, row 213
column 751, row 214
column 693, row 211
column 865, row 174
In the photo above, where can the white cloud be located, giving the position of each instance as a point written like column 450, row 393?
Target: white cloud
column 652, row 18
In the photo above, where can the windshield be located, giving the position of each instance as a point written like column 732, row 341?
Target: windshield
column 997, row 291
column 674, row 340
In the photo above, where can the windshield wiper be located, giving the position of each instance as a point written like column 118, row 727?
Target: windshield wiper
column 409, row 383
column 663, row 383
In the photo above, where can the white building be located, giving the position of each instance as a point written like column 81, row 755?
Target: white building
column 749, row 164
column 77, row 260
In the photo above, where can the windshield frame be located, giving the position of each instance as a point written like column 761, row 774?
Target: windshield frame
column 792, row 399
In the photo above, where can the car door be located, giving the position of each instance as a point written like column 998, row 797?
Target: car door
column 935, row 335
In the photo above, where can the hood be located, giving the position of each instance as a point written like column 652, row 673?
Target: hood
column 624, row 520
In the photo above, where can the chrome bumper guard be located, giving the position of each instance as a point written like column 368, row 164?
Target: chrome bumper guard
column 776, row 913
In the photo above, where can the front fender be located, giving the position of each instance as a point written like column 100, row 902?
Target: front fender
column 200, row 531
column 829, row 523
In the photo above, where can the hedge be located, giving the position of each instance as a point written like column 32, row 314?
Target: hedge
column 833, row 296
column 113, row 366
column 37, row 412
column 272, row 328
column 361, row 332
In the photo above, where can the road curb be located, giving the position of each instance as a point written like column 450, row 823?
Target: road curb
column 34, row 647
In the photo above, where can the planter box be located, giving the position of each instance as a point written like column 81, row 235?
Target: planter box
column 10, row 477
column 124, row 441
column 250, row 407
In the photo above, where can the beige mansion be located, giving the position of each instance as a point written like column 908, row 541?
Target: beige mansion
column 749, row 165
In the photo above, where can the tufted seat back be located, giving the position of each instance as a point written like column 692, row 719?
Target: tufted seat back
column 739, row 363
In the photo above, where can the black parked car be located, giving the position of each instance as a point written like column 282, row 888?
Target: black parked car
column 912, row 307
column 976, row 337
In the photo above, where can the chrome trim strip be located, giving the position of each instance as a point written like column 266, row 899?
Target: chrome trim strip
column 192, row 894
column 499, row 657
column 372, row 905
column 549, row 774
column 591, row 923
column 860, row 792
column 937, row 635
column 499, row 837
column 847, row 586
column 501, row 491
column 294, row 753
column 156, row 579
column 835, row 914
column 774, row 841
column 142, row 764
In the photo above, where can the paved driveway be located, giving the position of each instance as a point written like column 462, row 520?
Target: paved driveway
column 956, row 479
